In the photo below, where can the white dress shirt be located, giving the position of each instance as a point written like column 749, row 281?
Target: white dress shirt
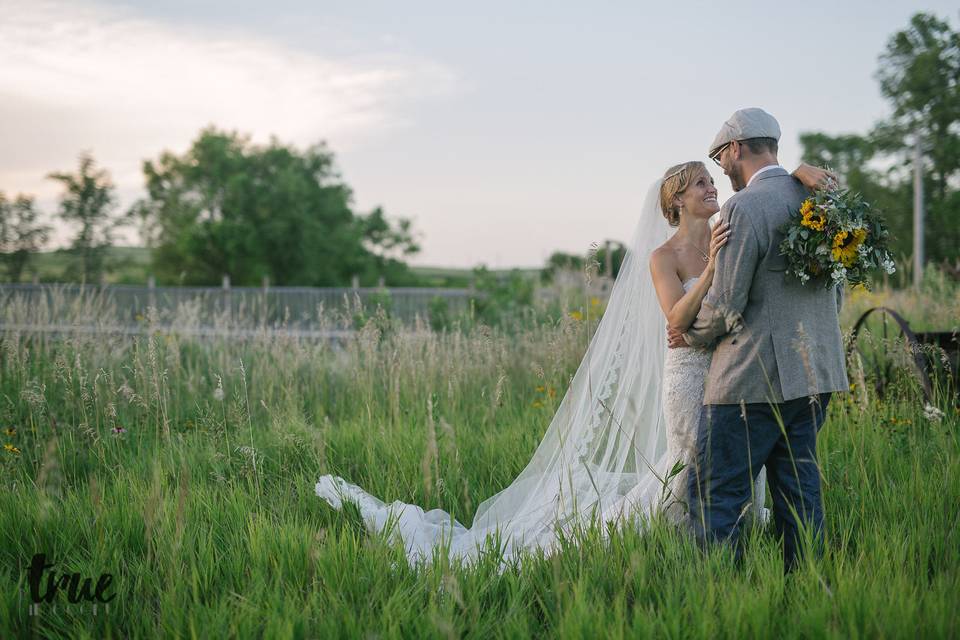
column 759, row 171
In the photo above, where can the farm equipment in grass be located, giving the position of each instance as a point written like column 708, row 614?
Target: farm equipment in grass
column 889, row 352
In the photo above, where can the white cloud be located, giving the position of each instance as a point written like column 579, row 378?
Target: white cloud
column 75, row 77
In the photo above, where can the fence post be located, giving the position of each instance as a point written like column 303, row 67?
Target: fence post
column 151, row 295
column 227, row 305
column 355, row 294
column 264, row 302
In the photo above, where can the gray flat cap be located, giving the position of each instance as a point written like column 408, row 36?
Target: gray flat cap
column 745, row 124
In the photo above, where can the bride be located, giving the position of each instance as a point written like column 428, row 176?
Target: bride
column 619, row 442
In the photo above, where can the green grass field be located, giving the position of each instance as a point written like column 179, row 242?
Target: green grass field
column 186, row 470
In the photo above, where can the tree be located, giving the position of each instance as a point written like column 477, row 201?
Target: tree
column 88, row 200
column 919, row 75
column 618, row 251
column 21, row 234
column 227, row 206
column 559, row 261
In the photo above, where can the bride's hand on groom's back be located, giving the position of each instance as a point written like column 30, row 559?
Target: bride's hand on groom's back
column 814, row 178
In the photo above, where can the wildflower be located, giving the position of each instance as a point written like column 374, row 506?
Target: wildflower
column 9, row 432
column 594, row 302
column 537, row 404
column 552, row 392
column 540, row 389
column 117, row 430
column 932, row 413
column 12, row 449
column 576, row 315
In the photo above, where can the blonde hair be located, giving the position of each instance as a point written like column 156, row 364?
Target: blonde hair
column 676, row 179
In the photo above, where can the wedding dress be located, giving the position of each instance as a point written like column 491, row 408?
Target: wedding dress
column 603, row 458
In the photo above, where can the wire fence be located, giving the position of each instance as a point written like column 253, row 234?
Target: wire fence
column 213, row 310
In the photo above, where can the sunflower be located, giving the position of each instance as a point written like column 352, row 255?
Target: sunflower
column 845, row 245
column 808, row 220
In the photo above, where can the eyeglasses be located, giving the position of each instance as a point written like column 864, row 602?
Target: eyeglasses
column 716, row 154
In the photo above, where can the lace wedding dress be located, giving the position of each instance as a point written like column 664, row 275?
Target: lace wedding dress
column 684, row 375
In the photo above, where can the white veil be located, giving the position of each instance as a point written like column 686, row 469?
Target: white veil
column 604, row 453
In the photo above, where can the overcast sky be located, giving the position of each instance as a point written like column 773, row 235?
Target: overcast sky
column 506, row 130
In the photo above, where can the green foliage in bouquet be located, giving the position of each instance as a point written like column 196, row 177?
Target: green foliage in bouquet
column 835, row 238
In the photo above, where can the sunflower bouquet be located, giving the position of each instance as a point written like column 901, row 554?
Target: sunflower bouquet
column 835, row 238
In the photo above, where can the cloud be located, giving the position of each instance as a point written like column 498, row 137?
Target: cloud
column 85, row 76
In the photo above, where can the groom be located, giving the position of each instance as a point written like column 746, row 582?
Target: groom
column 779, row 356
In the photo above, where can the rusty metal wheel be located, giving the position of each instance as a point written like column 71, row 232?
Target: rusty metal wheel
column 888, row 350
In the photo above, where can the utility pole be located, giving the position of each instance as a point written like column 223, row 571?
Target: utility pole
column 917, row 213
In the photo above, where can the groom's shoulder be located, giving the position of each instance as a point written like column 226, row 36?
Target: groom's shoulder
column 743, row 199
column 762, row 192
column 784, row 185
column 742, row 208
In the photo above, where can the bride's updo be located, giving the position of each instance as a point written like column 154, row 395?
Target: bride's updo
column 675, row 181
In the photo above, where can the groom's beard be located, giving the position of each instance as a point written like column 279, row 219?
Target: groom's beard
column 736, row 178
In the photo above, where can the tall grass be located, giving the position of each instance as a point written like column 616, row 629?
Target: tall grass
column 186, row 468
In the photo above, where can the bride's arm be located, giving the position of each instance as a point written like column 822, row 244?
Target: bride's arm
column 679, row 307
column 666, row 282
column 814, row 177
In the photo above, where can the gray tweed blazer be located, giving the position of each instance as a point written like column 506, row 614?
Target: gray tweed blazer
column 778, row 340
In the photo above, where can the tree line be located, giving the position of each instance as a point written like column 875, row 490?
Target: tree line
column 919, row 76
column 226, row 206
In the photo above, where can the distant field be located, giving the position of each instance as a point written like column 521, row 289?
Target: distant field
column 131, row 265
column 127, row 265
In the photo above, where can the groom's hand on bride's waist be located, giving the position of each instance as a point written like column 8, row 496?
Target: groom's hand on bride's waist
column 675, row 338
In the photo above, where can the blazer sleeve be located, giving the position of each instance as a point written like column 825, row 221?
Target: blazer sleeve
column 736, row 264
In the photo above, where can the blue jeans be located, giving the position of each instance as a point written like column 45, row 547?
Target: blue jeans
column 733, row 443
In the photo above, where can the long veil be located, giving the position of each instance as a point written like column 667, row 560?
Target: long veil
column 603, row 454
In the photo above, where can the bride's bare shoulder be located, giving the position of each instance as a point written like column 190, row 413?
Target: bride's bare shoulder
column 663, row 259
